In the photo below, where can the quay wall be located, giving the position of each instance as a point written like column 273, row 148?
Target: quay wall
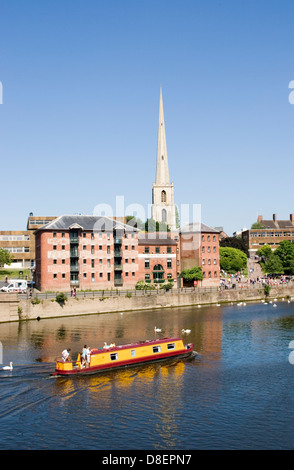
column 12, row 308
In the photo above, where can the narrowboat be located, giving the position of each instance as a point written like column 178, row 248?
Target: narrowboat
column 109, row 358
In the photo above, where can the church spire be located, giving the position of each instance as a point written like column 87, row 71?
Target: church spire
column 162, row 173
column 163, row 207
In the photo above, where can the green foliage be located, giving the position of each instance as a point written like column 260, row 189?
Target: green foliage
column 232, row 260
column 141, row 285
column 233, row 242
column 167, row 286
column 257, row 225
column 193, row 274
column 5, row 257
column 267, row 290
column 264, row 252
column 61, row 298
column 152, row 226
column 285, row 252
column 273, row 265
column 134, row 222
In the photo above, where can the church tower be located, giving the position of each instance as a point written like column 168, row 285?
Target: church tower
column 163, row 207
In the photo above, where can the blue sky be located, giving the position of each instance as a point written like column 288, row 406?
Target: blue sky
column 79, row 118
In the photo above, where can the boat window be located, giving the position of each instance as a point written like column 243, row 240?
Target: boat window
column 171, row 346
column 114, row 356
column 156, row 349
column 133, row 352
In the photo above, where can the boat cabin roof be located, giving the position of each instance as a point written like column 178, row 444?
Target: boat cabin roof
column 135, row 345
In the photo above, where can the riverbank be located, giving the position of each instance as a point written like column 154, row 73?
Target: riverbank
column 13, row 308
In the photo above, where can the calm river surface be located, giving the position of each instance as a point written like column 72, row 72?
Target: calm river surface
column 238, row 393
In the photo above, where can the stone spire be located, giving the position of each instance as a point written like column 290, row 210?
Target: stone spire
column 162, row 173
column 163, row 207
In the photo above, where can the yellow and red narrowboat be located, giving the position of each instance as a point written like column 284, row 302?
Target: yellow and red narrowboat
column 109, row 358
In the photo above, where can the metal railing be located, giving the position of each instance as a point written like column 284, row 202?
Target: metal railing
column 121, row 292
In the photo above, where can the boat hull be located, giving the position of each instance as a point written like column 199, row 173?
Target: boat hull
column 184, row 353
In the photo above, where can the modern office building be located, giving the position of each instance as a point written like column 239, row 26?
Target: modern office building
column 21, row 243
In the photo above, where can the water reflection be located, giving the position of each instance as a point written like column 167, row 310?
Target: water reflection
column 242, row 371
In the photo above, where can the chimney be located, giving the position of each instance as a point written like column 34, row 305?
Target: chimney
column 291, row 217
column 259, row 218
column 274, row 217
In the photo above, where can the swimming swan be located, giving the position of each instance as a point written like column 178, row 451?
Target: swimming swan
column 8, row 367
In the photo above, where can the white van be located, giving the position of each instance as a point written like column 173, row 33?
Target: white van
column 16, row 285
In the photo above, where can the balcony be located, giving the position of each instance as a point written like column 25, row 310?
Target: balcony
column 118, row 266
column 74, row 268
column 74, row 253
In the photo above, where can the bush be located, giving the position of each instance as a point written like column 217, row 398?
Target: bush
column 267, row 290
column 141, row 285
column 61, row 298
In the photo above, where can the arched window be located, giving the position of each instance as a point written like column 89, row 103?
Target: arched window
column 163, row 196
column 158, row 273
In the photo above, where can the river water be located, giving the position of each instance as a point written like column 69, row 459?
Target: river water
column 238, row 392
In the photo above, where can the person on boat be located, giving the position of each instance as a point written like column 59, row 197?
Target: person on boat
column 84, row 355
column 112, row 345
column 65, row 354
column 105, row 346
column 88, row 357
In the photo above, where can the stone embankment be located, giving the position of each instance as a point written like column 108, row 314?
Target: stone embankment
column 13, row 308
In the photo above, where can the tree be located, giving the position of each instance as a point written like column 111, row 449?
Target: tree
column 264, row 252
column 233, row 242
column 273, row 265
column 134, row 222
column 193, row 274
column 152, row 226
column 232, row 260
column 285, row 252
column 257, row 225
column 5, row 257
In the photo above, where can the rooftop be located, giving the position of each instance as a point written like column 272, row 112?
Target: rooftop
column 87, row 222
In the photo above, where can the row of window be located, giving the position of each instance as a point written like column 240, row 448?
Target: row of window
column 155, row 349
column 13, row 238
column 18, row 249
column 271, row 234
column 148, row 277
column 209, row 274
column 98, row 234
column 208, row 238
column 100, row 247
column 157, row 249
column 208, row 262
column 209, row 249
column 92, row 276
column 168, row 263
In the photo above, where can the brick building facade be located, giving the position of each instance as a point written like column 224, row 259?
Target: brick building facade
column 271, row 232
column 93, row 252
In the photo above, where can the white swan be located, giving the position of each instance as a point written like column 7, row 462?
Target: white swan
column 8, row 367
column 157, row 329
column 186, row 331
